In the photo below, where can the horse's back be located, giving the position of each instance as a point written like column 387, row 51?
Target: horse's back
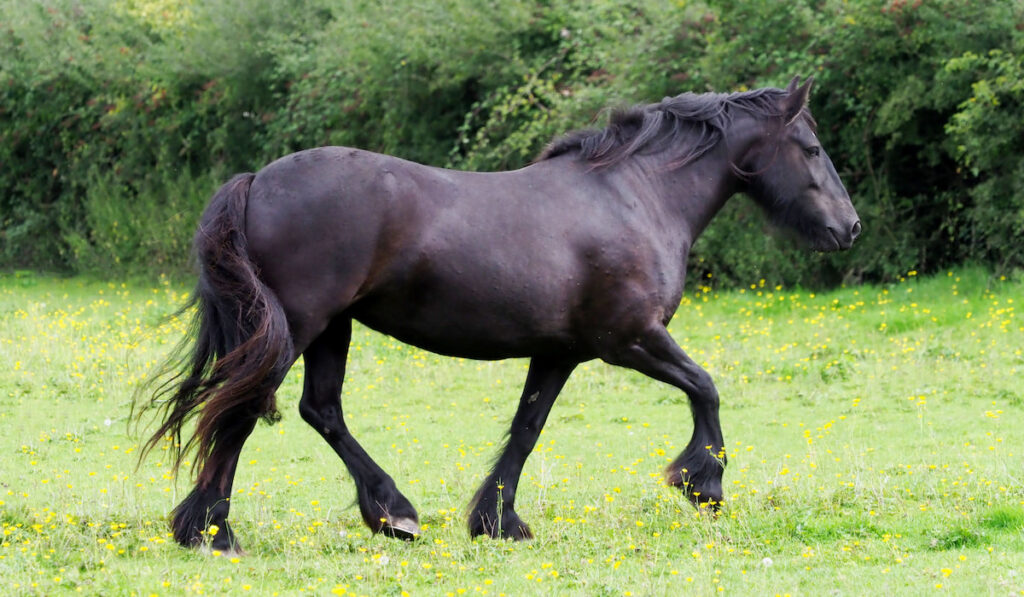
column 469, row 264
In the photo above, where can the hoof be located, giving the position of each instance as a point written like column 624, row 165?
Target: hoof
column 405, row 529
column 519, row 532
column 385, row 510
column 706, row 497
column 712, row 506
column 700, row 479
column 511, row 527
column 705, row 494
column 232, row 552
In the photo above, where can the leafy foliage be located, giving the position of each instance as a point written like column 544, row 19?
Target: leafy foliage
column 118, row 117
column 986, row 132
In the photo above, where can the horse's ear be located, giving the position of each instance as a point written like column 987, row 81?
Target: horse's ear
column 796, row 98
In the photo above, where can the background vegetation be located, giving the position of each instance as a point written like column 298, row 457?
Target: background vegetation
column 118, row 118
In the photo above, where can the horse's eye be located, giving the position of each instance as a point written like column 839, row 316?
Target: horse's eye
column 812, row 152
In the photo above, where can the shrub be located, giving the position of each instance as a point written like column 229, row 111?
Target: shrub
column 119, row 117
column 890, row 111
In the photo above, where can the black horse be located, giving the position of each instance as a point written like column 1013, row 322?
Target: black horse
column 580, row 255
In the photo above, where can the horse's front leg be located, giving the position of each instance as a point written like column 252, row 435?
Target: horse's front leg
column 698, row 469
column 492, row 510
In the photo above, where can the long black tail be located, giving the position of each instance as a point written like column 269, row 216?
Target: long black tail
column 242, row 346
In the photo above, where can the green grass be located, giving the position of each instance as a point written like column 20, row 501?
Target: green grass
column 873, row 436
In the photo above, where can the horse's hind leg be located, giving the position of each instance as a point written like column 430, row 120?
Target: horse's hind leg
column 698, row 469
column 383, row 507
column 205, row 510
column 492, row 509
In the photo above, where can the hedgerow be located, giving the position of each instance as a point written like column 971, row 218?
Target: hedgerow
column 118, row 118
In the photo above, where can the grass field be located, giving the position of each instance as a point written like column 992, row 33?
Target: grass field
column 874, row 442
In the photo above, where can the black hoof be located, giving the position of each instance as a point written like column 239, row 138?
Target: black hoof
column 388, row 512
column 510, row 526
column 198, row 524
column 203, row 534
column 703, row 487
column 225, row 540
column 405, row 529
column 225, row 552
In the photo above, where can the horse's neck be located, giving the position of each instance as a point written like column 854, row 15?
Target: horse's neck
column 693, row 194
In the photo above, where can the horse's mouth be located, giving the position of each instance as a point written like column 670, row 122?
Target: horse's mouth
column 835, row 237
column 831, row 242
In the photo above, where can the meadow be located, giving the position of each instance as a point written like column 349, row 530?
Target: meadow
column 873, row 438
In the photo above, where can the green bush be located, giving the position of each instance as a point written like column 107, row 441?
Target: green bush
column 104, row 110
column 890, row 111
column 884, row 103
column 986, row 132
column 119, row 117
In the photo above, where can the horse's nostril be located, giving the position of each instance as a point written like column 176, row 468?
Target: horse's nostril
column 855, row 231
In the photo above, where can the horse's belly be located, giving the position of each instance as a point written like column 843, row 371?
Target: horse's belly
column 469, row 329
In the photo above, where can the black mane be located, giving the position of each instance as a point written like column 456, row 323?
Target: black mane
column 689, row 125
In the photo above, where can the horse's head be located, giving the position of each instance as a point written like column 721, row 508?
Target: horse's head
column 791, row 176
